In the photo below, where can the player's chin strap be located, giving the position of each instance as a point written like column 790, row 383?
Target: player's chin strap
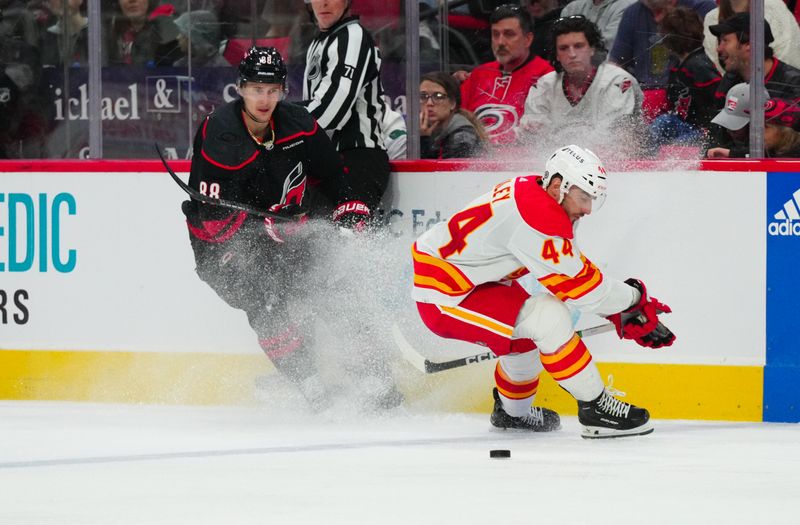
column 196, row 195
column 423, row 364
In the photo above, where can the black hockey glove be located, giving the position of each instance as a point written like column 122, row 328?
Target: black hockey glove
column 279, row 230
column 640, row 321
column 352, row 216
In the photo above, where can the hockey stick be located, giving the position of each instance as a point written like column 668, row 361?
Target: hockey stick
column 196, row 195
column 431, row 367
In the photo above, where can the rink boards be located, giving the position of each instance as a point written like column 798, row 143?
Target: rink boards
column 99, row 300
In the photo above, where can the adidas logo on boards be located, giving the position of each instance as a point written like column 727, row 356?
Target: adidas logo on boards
column 787, row 221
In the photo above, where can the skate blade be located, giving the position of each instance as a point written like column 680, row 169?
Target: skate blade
column 607, row 433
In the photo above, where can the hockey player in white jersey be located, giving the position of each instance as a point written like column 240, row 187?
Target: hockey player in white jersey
column 467, row 274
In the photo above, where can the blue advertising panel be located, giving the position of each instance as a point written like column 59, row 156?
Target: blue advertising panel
column 782, row 371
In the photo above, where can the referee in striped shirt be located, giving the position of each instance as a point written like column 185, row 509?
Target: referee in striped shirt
column 342, row 89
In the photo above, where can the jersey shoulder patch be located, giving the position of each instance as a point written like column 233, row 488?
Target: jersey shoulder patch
column 225, row 143
column 539, row 210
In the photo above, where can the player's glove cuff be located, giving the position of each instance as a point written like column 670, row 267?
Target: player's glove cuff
column 640, row 321
column 352, row 215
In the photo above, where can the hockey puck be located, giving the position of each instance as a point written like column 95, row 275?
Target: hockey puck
column 499, row 453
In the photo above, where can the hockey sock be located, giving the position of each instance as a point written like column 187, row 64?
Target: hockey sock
column 517, row 380
column 572, row 367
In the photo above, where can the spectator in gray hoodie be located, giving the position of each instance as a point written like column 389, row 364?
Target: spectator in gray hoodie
column 446, row 130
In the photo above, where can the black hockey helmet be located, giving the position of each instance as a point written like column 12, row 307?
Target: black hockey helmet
column 262, row 64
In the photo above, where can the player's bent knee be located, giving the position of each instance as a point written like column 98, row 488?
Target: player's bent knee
column 546, row 320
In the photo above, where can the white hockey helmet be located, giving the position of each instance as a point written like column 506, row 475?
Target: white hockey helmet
column 577, row 167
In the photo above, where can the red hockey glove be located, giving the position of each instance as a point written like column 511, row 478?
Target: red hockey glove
column 640, row 321
column 279, row 231
column 352, row 216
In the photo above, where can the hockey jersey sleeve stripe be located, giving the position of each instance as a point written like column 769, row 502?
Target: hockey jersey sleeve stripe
column 430, row 272
column 477, row 319
column 568, row 360
column 514, row 389
column 226, row 167
column 567, row 287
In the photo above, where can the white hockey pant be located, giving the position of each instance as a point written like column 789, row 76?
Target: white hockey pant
column 548, row 322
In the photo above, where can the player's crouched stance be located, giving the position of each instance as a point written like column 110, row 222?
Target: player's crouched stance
column 470, row 276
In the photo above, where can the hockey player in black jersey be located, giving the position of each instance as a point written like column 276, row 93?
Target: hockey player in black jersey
column 263, row 152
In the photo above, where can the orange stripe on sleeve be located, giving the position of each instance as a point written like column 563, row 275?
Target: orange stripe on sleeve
column 431, row 272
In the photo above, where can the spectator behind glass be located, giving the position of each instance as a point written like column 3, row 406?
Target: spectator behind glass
column 342, row 89
column 599, row 103
column 544, row 14
column 691, row 86
column 781, row 124
column 201, row 31
column 639, row 47
column 67, row 39
column 606, row 15
column 447, row 131
column 496, row 91
column 780, row 79
column 141, row 34
column 784, row 28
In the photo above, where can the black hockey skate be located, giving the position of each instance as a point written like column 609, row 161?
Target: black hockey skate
column 608, row 417
column 538, row 420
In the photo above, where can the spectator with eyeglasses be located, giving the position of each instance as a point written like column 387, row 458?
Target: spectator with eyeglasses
column 446, row 130
column 496, row 91
column 598, row 102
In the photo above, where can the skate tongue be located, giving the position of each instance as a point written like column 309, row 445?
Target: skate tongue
column 611, row 390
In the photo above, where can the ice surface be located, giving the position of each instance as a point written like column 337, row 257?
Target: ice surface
column 63, row 463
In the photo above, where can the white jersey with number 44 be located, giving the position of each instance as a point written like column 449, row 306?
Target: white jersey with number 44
column 515, row 229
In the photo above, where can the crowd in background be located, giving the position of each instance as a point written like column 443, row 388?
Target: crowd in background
column 650, row 74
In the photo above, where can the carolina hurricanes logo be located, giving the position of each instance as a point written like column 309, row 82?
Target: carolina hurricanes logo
column 294, row 187
column 625, row 85
column 499, row 120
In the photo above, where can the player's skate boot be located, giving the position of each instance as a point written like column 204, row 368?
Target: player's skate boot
column 538, row 420
column 608, row 417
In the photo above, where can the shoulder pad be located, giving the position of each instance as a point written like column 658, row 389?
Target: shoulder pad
column 539, row 210
column 225, row 140
column 292, row 121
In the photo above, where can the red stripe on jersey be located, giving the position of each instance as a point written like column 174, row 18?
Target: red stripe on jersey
column 439, row 275
column 298, row 134
column 566, row 287
column 223, row 166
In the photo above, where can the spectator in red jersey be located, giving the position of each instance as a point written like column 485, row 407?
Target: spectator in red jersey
column 446, row 130
column 691, row 85
column 496, row 91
